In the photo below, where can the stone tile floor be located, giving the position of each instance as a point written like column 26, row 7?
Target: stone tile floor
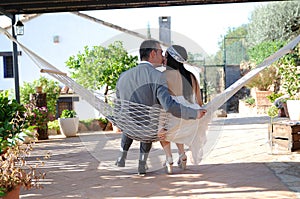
column 236, row 164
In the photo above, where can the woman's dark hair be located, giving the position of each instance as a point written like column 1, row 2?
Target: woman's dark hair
column 186, row 75
column 146, row 47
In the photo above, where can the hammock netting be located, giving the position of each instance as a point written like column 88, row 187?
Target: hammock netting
column 138, row 121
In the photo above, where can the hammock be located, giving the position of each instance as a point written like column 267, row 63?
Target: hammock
column 135, row 119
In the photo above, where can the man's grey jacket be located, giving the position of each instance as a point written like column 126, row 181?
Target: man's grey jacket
column 144, row 84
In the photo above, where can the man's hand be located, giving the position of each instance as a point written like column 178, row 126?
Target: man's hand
column 201, row 113
column 162, row 134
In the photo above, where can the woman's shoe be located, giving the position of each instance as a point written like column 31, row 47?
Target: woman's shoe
column 169, row 165
column 182, row 161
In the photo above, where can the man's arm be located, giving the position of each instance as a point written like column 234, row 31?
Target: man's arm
column 175, row 108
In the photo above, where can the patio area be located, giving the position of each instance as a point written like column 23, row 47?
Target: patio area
column 236, row 164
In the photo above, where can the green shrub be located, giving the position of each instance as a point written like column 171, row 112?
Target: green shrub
column 103, row 120
column 14, row 125
column 68, row 114
column 87, row 122
column 273, row 111
column 250, row 100
column 50, row 87
column 274, row 96
column 53, row 125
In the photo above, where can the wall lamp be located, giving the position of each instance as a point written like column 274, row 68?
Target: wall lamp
column 19, row 28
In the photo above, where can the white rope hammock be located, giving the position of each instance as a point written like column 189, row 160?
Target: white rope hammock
column 139, row 121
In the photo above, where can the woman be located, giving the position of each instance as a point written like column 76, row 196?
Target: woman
column 184, row 88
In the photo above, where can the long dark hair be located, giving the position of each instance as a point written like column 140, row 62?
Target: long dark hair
column 186, row 75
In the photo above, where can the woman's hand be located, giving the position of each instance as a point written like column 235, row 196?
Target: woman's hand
column 201, row 113
column 162, row 134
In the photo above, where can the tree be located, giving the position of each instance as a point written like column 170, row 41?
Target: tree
column 233, row 43
column 100, row 67
column 274, row 21
column 261, row 51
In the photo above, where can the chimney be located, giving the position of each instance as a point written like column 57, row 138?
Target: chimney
column 165, row 29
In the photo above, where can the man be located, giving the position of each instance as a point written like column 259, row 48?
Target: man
column 144, row 84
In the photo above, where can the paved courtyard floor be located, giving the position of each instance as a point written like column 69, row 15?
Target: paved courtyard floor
column 237, row 164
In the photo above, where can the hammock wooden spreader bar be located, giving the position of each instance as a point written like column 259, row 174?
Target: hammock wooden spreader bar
column 53, row 72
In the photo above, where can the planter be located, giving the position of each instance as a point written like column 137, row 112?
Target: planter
column 293, row 107
column 38, row 89
column 52, row 132
column 261, row 98
column 43, row 132
column 116, row 129
column 68, row 126
column 14, row 194
column 283, row 112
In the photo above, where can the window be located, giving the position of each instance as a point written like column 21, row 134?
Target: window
column 8, row 67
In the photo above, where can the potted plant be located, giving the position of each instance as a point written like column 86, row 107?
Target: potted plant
column 14, row 127
column 103, row 122
column 279, row 101
column 38, row 117
column 293, row 107
column 53, row 127
column 17, row 173
column 48, row 86
column 68, row 123
column 261, row 83
column 268, row 80
column 290, row 77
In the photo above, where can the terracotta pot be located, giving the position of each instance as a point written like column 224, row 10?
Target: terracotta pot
column 38, row 89
column 14, row 194
column 116, row 129
column 261, row 98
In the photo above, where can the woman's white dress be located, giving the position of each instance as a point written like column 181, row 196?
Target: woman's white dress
column 189, row 132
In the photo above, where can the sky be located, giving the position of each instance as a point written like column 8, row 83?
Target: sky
column 204, row 24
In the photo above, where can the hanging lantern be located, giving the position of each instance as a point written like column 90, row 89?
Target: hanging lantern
column 19, row 28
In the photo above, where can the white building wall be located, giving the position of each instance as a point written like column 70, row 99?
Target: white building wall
column 74, row 33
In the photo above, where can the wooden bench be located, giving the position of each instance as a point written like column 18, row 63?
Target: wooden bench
column 285, row 135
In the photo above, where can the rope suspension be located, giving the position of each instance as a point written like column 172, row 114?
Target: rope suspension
column 141, row 122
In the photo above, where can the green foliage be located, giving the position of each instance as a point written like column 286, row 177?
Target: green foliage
column 272, row 111
column 289, row 70
column 68, row 114
column 263, row 80
column 261, row 51
column 232, row 46
column 196, row 59
column 37, row 116
column 274, row 21
column 50, row 87
column 16, row 172
column 103, row 120
column 274, row 96
column 14, row 126
column 101, row 66
column 87, row 122
column 257, row 55
column 53, row 125
column 250, row 101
